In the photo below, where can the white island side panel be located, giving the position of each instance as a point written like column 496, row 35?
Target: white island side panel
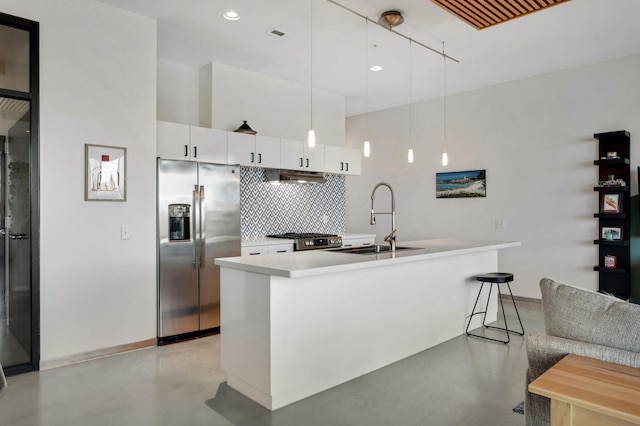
column 245, row 333
column 326, row 329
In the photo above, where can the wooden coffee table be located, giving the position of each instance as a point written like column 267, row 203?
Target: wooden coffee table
column 585, row 391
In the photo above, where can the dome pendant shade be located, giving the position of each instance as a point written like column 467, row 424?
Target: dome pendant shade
column 390, row 18
column 244, row 128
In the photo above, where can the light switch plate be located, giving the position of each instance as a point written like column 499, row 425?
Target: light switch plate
column 124, row 232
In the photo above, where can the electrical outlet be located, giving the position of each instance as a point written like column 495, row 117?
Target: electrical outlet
column 500, row 224
column 124, row 232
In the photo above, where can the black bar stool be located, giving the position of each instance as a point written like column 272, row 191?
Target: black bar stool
column 496, row 278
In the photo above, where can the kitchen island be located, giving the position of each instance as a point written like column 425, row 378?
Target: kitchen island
column 295, row 324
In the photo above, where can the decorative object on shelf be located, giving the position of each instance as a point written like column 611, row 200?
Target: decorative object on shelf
column 610, row 261
column 244, row 128
column 611, row 233
column 467, row 184
column 612, row 155
column 612, row 181
column 105, row 173
column 611, row 203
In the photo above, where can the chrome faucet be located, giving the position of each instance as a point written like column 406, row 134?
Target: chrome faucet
column 391, row 238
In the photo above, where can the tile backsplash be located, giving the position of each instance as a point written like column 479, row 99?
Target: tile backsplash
column 275, row 209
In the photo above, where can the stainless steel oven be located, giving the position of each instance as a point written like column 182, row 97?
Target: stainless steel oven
column 311, row 241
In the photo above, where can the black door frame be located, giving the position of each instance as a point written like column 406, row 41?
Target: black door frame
column 33, row 97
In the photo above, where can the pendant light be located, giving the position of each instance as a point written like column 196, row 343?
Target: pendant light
column 367, row 145
column 410, row 152
column 445, row 157
column 312, row 133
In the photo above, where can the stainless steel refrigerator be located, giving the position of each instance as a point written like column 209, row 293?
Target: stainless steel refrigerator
column 198, row 221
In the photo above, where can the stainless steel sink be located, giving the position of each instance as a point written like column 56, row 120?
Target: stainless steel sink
column 371, row 249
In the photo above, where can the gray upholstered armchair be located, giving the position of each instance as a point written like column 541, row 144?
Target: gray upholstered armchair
column 581, row 322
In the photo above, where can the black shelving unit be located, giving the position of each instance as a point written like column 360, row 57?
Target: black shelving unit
column 617, row 216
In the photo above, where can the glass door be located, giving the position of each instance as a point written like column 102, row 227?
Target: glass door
column 19, row 216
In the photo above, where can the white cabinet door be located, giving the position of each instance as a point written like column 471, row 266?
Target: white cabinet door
column 241, row 149
column 353, row 161
column 281, row 248
column 172, row 141
column 291, row 154
column 314, row 158
column 296, row 155
column 254, row 250
column 208, row 145
column 267, row 152
column 357, row 242
column 342, row 160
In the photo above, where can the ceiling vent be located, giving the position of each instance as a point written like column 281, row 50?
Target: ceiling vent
column 277, row 33
column 483, row 14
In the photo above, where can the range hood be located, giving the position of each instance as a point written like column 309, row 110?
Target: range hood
column 294, row 176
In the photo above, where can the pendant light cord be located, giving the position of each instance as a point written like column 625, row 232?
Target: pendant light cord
column 366, row 79
column 444, row 97
column 311, row 65
column 410, row 94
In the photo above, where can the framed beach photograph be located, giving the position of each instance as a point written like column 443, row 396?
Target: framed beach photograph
column 105, row 173
column 611, row 203
column 611, row 233
column 467, row 184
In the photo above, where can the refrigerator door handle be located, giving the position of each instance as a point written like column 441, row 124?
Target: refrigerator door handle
column 196, row 226
column 203, row 227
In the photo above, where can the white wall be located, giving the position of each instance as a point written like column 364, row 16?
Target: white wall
column 98, row 86
column 534, row 138
column 271, row 106
column 275, row 107
column 178, row 93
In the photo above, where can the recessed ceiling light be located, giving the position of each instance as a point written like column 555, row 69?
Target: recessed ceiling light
column 375, row 68
column 231, row 15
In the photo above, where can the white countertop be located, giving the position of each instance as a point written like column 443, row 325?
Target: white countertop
column 317, row 262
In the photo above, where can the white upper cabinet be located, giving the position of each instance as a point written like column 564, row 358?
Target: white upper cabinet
column 241, row 148
column 267, row 152
column 291, row 154
column 172, row 141
column 177, row 141
column 183, row 142
column 296, row 155
column 253, row 150
column 208, row 145
column 342, row 160
column 314, row 158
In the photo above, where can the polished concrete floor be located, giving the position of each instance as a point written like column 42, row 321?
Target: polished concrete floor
column 464, row 381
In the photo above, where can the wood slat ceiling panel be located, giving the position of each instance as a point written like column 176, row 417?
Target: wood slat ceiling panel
column 485, row 13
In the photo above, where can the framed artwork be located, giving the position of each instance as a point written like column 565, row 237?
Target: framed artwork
column 467, row 184
column 105, row 173
column 611, row 233
column 610, row 261
column 611, row 203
